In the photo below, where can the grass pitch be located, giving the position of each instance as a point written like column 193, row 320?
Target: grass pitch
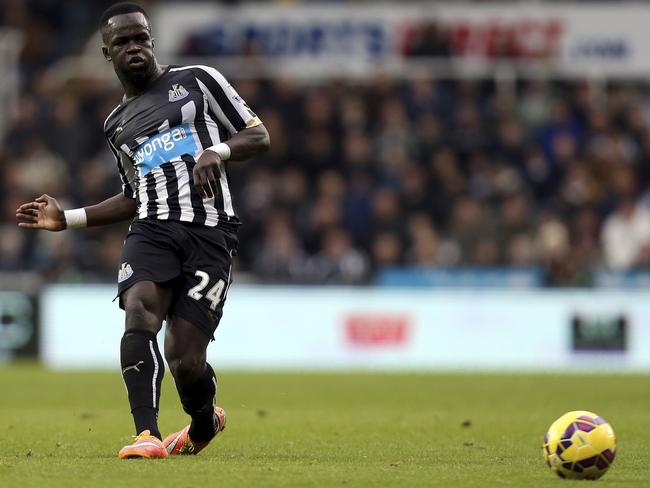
column 317, row 430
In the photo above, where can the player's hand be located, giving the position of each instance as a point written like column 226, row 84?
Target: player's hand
column 43, row 213
column 206, row 174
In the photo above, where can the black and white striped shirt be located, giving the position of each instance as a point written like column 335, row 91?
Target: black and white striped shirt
column 158, row 136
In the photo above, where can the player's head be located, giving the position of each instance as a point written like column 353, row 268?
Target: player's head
column 128, row 44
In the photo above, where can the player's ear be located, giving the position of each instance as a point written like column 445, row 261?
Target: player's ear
column 107, row 56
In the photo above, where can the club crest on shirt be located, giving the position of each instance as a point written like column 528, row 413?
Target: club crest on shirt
column 177, row 92
column 124, row 273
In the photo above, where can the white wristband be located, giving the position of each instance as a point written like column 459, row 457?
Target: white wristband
column 75, row 218
column 222, row 149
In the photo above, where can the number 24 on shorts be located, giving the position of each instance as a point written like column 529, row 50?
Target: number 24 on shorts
column 214, row 294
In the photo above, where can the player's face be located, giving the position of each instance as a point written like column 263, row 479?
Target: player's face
column 129, row 46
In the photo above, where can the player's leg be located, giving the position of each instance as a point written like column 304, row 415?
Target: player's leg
column 150, row 262
column 145, row 305
column 185, row 351
column 195, row 315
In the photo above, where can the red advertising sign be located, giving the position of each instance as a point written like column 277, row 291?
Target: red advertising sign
column 377, row 330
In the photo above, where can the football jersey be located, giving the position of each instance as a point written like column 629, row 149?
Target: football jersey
column 158, row 136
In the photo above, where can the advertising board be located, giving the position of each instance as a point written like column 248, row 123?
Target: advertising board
column 573, row 39
column 327, row 328
column 17, row 323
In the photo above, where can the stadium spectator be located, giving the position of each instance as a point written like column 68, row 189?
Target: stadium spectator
column 626, row 235
column 337, row 262
column 429, row 39
column 279, row 259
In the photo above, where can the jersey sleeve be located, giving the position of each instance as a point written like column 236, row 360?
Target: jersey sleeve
column 126, row 170
column 229, row 108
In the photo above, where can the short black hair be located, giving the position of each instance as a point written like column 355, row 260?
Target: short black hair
column 119, row 9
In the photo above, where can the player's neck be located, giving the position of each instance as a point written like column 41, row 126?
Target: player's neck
column 133, row 88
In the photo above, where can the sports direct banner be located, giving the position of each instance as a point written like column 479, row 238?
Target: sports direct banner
column 603, row 39
column 328, row 328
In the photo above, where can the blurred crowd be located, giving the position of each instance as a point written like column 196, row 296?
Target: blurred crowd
column 362, row 176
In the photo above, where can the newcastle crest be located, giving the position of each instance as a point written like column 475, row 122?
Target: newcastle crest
column 177, row 92
column 124, row 273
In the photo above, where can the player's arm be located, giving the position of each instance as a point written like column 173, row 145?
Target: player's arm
column 243, row 145
column 112, row 210
column 46, row 213
column 246, row 143
column 247, row 135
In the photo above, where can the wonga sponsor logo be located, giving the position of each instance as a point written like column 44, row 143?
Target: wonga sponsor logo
column 164, row 147
column 377, row 330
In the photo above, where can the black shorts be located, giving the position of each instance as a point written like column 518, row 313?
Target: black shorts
column 194, row 260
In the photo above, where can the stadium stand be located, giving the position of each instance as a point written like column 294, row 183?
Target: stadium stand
column 363, row 175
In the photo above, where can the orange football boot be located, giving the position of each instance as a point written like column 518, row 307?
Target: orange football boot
column 180, row 443
column 145, row 446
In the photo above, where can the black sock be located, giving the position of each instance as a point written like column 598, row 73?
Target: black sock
column 198, row 401
column 142, row 370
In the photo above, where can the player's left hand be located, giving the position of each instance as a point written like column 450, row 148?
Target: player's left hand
column 206, row 174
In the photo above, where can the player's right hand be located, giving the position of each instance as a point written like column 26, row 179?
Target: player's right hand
column 43, row 213
column 206, row 174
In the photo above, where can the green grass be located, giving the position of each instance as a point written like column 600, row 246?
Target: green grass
column 312, row 430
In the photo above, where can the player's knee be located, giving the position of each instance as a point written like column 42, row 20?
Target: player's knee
column 140, row 316
column 186, row 368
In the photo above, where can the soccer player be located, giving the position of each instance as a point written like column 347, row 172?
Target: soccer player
column 171, row 136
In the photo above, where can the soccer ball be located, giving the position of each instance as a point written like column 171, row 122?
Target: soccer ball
column 580, row 445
